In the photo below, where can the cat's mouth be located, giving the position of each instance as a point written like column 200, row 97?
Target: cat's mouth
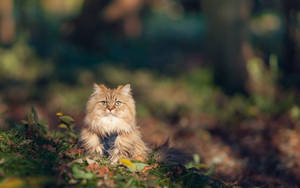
column 110, row 114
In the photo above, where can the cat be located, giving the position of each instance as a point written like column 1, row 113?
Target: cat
column 110, row 128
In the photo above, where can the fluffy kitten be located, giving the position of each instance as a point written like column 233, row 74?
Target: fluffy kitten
column 110, row 127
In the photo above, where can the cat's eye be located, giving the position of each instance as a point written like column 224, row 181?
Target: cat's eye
column 118, row 103
column 104, row 102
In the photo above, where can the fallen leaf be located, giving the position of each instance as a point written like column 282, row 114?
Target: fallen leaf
column 12, row 182
column 102, row 171
column 92, row 167
column 90, row 161
column 146, row 169
column 99, row 171
column 37, row 181
column 128, row 164
column 80, row 161
column 140, row 166
column 74, row 151
column 78, row 173
column 139, row 158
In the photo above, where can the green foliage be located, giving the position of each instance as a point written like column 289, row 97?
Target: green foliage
column 81, row 174
column 133, row 166
column 67, row 123
column 31, row 155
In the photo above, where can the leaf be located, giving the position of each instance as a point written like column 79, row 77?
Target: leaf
column 78, row 173
column 133, row 166
column 129, row 182
column 37, row 181
column 148, row 168
column 128, row 164
column 92, row 167
column 196, row 158
column 12, row 182
column 66, row 119
column 211, row 171
column 139, row 158
column 102, row 171
column 73, row 135
column 30, row 118
column 90, row 161
column 140, row 166
column 43, row 123
column 75, row 161
column 63, row 126
column 35, row 115
column 24, row 122
column 59, row 114
column 201, row 165
column 99, row 171
column 74, row 151
column 72, row 181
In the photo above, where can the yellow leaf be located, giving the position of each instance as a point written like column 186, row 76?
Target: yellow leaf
column 63, row 126
column 59, row 114
column 24, row 122
column 12, row 182
column 202, row 165
column 37, row 181
column 127, row 163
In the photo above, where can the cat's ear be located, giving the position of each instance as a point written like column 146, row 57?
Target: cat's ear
column 126, row 89
column 99, row 88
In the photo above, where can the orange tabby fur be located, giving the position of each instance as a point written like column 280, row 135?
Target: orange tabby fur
column 112, row 111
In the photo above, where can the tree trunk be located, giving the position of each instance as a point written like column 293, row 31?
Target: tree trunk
column 290, row 61
column 227, row 22
column 89, row 24
column 7, row 22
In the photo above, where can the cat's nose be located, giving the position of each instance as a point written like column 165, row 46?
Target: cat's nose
column 110, row 108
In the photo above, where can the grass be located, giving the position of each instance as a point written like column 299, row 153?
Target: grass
column 33, row 156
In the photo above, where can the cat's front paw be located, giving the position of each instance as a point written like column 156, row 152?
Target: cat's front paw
column 98, row 150
column 115, row 161
column 95, row 151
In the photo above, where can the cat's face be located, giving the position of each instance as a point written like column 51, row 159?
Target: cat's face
column 111, row 110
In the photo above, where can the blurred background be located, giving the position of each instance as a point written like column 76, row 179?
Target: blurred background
column 220, row 78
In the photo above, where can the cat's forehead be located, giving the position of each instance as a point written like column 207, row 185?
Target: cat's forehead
column 112, row 93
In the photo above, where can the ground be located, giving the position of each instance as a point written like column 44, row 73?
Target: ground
column 31, row 155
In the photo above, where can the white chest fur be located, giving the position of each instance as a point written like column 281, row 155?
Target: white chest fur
column 111, row 124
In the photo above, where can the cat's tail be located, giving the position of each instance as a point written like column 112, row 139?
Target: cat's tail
column 170, row 155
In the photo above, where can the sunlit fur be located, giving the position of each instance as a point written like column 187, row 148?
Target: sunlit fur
column 105, row 119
